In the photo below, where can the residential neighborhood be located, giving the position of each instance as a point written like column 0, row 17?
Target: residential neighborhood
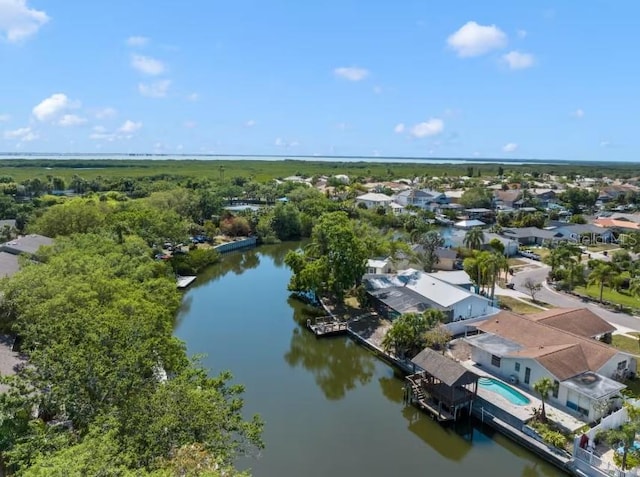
column 511, row 299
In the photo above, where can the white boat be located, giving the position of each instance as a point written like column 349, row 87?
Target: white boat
column 184, row 282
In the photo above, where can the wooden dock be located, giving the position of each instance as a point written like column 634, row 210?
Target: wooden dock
column 327, row 326
column 418, row 397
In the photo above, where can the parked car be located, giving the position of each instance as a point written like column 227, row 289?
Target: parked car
column 531, row 255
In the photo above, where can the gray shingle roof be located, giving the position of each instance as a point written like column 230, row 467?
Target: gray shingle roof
column 8, row 264
column 443, row 368
column 27, row 244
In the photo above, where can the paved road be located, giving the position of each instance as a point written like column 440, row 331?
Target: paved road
column 539, row 274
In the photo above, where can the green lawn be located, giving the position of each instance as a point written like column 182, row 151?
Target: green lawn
column 514, row 262
column 624, row 343
column 518, row 306
column 602, row 247
column 609, row 295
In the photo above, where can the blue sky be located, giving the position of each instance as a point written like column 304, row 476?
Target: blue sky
column 338, row 77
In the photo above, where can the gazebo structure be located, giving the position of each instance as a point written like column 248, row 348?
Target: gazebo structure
column 442, row 386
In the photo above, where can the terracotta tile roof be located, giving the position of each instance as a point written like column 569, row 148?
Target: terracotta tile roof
column 613, row 223
column 508, row 195
column 562, row 353
column 579, row 321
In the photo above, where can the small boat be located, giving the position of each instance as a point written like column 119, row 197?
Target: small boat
column 184, row 282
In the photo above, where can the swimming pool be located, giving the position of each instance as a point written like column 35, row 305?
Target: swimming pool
column 504, row 390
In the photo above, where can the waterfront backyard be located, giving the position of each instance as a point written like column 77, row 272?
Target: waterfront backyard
column 331, row 406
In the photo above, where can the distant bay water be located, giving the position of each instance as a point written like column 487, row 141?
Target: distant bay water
column 206, row 157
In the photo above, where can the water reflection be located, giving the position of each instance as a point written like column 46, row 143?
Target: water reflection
column 244, row 322
column 337, row 364
column 391, row 387
column 452, row 442
column 535, row 469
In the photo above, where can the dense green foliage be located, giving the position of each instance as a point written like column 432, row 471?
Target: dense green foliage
column 333, row 262
column 411, row 332
column 96, row 321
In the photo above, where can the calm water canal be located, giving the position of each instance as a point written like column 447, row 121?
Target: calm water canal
column 331, row 407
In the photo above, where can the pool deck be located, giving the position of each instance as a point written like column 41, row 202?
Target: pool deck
column 526, row 412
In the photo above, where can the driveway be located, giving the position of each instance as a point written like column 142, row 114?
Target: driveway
column 621, row 321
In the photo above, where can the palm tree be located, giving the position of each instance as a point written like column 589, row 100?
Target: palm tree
column 575, row 275
column 474, row 238
column 543, row 387
column 493, row 264
column 562, row 256
column 601, row 275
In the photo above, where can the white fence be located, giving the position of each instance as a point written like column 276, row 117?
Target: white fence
column 587, row 460
column 612, row 421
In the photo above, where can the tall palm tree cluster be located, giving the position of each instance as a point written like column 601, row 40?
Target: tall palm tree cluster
column 484, row 266
column 566, row 265
column 620, row 274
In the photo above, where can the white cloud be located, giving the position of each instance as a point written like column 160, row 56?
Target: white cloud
column 283, row 143
column 103, row 136
column 473, row 39
column 55, row 104
column 147, row 65
column 22, row 134
column 157, row 89
column 18, row 21
column 522, row 33
column 250, row 123
column 432, row 127
column 193, row 97
column 399, row 128
column 68, row 120
column 510, row 147
column 137, row 41
column 106, row 113
column 578, row 113
column 377, row 89
column 518, row 61
column 4, row 118
column 100, row 133
column 605, row 143
column 351, row 73
column 129, row 127
column 190, row 124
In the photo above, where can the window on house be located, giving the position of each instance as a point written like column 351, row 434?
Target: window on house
column 622, row 365
column 495, row 360
column 517, row 367
column 556, row 388
column 527, row 375
column 577, row 408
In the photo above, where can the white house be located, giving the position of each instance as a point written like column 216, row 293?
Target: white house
column 373, row 200
column 379, row 266
column 413, row 291
column 557, row 344
column 424, row 199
